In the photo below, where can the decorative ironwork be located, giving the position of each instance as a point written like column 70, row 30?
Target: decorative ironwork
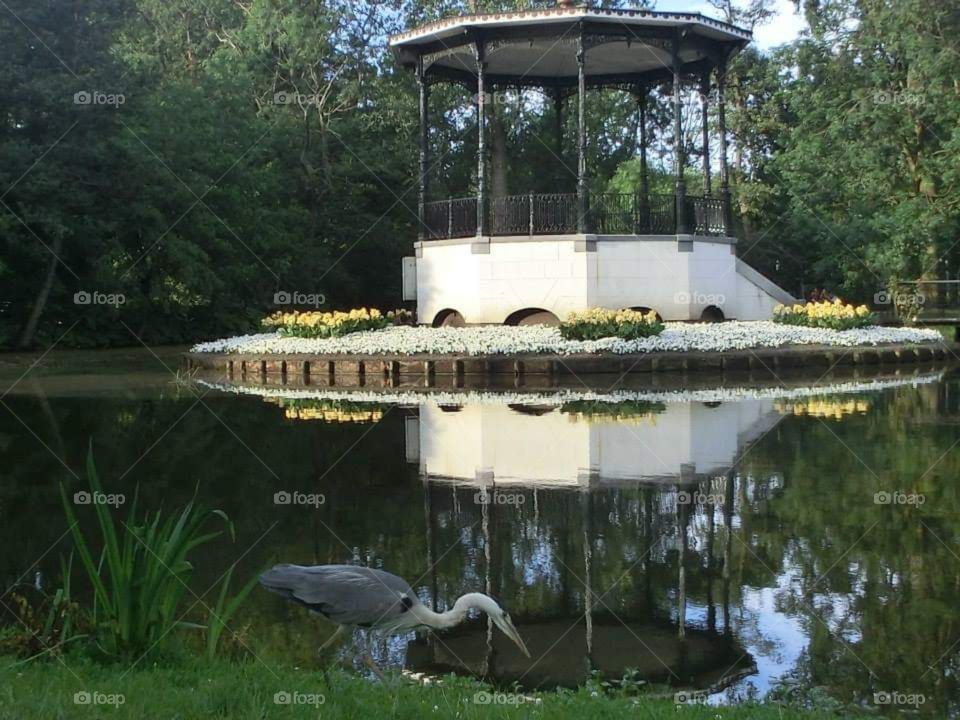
column 613, row 214
column 429, row 59
column 629, row 214
column 661, row 216
column 556, row 214
column 453, row 218
column 510, row 215
column 534, row 214
column 705, row 215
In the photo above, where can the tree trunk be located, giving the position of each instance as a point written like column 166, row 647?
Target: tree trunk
column 26, row 338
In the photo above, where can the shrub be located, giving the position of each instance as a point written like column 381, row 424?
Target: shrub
column 835, row 315
column 334, row 324
column 601, row 323
column 142, row 572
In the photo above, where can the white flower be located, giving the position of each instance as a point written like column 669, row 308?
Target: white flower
column 534, row 339
column 558, row 397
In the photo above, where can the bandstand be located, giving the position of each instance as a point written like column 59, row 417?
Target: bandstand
column 533, row 257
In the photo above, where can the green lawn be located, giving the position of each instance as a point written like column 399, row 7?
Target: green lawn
column 243, row 691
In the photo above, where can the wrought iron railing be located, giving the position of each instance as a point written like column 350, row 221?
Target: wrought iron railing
column 705, row 216
column 557, row 213
column 613, row 214
column 632, row 214
column 453, row 218
column 554, row 213
column 661, row 216
column 534, row 214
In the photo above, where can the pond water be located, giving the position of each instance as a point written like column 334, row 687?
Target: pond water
column 738, row 539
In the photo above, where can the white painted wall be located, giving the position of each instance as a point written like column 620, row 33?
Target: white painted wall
column 756, row 295
column 494, row 443
column 550, row 273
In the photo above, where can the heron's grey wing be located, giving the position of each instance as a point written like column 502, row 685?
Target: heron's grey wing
column 346, row 594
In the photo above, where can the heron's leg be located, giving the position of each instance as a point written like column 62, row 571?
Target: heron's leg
column 336, row 634
column 368, row 661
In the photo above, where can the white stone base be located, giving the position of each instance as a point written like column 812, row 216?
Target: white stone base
column 486, row 280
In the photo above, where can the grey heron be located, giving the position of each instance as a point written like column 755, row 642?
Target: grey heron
column 355, row 596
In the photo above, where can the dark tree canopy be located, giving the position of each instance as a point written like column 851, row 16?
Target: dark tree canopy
column 195, row 159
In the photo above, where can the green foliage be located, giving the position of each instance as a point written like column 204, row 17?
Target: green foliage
column 143, row 570
column 272, row 147
column 46, row 624
column 224, row 610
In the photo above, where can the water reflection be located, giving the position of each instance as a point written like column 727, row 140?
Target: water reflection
column 725, row 538
column 586, row 444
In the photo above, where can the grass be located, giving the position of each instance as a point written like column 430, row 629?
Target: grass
column 246, row 691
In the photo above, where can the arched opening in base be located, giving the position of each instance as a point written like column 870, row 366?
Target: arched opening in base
column 532, row 316
column 712, row 314
column 449, row 318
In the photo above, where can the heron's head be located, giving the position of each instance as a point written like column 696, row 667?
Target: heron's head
column 499, row 615
column 502, row 620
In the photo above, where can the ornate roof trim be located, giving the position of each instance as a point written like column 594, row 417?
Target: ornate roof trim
column 658, row 18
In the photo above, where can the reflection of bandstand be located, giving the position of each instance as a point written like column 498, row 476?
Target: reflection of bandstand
column 583, row 446
column 649, row 630
column 591, row 626
column 536, row 255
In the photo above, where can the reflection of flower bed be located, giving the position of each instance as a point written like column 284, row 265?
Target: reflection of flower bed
column 561, row 397
column 332, row 411
column 628, row 411
column 824, row 407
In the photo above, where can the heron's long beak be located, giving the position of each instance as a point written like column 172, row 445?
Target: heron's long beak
column 506, row 624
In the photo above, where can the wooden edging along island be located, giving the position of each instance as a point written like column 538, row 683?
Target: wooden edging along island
column 360, row 370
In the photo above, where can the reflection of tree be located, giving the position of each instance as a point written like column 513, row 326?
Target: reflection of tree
column 874, row 586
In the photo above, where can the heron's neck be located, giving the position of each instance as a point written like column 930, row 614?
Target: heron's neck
column 456, row 614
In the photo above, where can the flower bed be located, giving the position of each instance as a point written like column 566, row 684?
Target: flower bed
column 537, row 339
column 600, row 323
column 332, row 324
column 836, row 315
